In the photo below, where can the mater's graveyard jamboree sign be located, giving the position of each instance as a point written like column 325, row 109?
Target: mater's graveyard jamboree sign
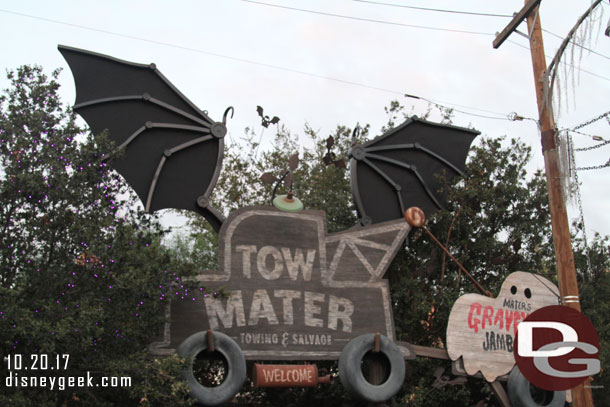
column 291, row 290
column 482, row 330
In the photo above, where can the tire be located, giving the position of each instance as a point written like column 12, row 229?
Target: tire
column 520, row 395
column 236, row 368
column 350, row 371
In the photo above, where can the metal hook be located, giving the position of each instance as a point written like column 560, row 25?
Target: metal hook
column 224, row 116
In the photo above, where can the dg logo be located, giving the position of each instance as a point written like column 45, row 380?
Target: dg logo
column 557, row 348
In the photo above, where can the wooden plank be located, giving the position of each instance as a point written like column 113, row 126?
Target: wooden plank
column 429, row 352
column 514, row 23
column 457, row 368
column 500, row 393
column 481, row 330
column 407, row 350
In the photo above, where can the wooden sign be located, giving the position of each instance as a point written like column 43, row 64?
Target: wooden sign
column 287, row 376
column 482, row 330
column 292, row 291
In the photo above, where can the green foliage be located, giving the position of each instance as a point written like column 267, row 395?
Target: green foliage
column 496, row 223
column 321, row 186
column 594, row 290
column 81, row 273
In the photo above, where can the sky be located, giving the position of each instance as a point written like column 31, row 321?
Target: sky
column 339, row 62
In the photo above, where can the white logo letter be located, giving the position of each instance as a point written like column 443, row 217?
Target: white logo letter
column 525, row 335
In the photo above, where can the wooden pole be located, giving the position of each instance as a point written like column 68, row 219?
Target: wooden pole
column 566, row 271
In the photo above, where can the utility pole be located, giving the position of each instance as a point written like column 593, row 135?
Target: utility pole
column 562, row 242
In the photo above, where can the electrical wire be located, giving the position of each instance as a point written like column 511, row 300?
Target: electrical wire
column 401, row 24
column 300, row 72
column 476, row 14
column 441, row 104
column 444, row 104
column 201, row 51
column 370, row 20
column 578, row 45
column 571, row 65
column 436, row 9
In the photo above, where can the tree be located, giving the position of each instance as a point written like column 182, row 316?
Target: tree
column 82, row 273
column 496, row 222
column 594, row 289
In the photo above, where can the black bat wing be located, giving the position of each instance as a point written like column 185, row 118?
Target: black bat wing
column 400, row 169
column 173, row 150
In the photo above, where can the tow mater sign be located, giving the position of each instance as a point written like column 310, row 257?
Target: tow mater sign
column 291, row 290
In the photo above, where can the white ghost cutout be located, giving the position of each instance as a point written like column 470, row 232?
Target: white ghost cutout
column 481, row 330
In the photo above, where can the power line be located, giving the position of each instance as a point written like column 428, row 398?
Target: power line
column 444, row 104
column 476, row 14
column 248, row 61
column 465, row 13
column 401, row 24
column 370, row 20
column 201, row 51
column 575, row 67
column 436, row 9
column 578, row 45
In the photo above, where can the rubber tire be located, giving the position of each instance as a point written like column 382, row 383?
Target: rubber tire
column 350, row 371
column 520, row 396
column 236, row 368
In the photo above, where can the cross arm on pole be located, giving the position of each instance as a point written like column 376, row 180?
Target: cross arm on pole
column 514, row 23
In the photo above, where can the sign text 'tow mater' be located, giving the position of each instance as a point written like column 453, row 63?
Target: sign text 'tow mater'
column 271, row 263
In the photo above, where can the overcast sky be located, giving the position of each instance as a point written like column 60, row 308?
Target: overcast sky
column 336, row 62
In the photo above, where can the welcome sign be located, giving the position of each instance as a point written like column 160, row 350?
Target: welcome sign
column 290, row 290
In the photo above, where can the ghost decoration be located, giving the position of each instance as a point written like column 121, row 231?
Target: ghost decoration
column 482, row 330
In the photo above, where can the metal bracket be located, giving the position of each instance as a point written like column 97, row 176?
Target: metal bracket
column 210, row 338
column 377, row 346
column 548, row 140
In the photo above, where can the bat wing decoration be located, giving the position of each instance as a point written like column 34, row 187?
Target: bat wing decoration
column 173, row 150
column 401, row 168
